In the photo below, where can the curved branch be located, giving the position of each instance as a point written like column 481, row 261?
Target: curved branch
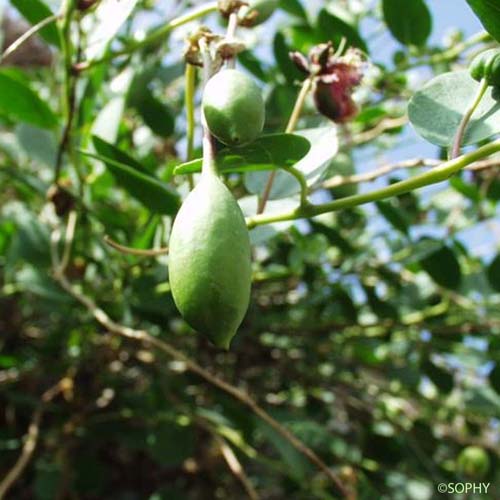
column 434, row 176
column 153, row 252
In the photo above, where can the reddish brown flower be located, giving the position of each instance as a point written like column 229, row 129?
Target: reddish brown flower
column 335, row 78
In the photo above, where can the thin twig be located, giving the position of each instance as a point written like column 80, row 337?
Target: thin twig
column 143, row 336
column 153, row 252
column 292, row 123
column 457, row 141
column 341, row 180
column 30, row 440
column 27, row 35
column 379, row 129
column 235, row 466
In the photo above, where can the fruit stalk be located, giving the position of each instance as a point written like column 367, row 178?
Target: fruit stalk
column 457, row 141
column 231, row 35
column 209, row 152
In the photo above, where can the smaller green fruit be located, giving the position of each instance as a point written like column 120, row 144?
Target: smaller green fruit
column 259, row 11
column 233, row 107
column 486, row 65
column 473, row 462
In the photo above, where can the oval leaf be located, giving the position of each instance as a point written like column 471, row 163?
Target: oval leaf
column 20, row 103
column 436, row 110
column 268, row 152
column 411, row 27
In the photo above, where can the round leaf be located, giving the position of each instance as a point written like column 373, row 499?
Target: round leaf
column 437, row 109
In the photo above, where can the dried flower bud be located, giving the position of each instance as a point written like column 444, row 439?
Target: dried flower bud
column 335, row 78
column 192, row 53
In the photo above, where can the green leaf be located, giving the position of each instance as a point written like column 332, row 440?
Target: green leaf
column 48, row 476
column 112, row 152
column 334, row 28
column 443, row 267
column 35, row 11
column 467, row 189
column 437, row 109
column 493, row 273
column 440, row 377
column 413, row 25
column 156, row 114
column 253, row 64
column 268, row 152
column 19, row 103
column 488, row 12
column 324, row 146
column 494, row 378
column 293, row 7
column 170, row 444
column 297, row 465
column 393, row 215
column 143, row 186
column 285, row 64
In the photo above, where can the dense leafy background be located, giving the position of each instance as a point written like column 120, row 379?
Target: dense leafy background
column 373, row 333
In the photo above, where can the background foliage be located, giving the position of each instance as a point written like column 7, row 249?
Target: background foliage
column 373, row 332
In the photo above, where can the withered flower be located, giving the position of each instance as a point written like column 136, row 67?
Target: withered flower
column 335, row 77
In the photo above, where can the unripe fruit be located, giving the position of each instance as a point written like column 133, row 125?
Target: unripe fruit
column 233, row 107
column 209, row 261
column 486, row 65
column 473, row 462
